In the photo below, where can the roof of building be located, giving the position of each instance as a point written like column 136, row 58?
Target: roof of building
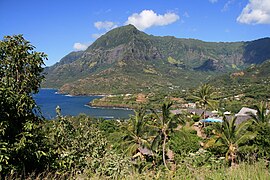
column 245, row 112
column 145, row 151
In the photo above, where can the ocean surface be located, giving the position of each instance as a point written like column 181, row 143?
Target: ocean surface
column 48, row 99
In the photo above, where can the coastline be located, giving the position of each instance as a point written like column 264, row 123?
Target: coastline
column 109, row 107
column 49, row 88
column 67, row 94
column 99, row 103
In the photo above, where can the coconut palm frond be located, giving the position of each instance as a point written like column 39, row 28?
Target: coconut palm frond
column 261, row 116
column 241, row 128
column 231, row 136
column 244, row 138
column 156, row 141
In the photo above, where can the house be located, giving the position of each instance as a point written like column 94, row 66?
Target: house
column 143, row 153
column 194, row 112
column 244, row 114
column 246, row 111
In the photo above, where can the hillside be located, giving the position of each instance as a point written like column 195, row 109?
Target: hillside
column 126, row 60
column 250, row 84
column 253, row 74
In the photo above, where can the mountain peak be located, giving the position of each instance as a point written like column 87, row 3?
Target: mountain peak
column 116, row 37
column 129, row 27
column 126, row 60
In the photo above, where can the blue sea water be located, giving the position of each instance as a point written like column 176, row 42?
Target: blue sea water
column 48, row 99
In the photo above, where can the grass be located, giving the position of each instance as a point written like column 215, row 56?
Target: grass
column 244, row 171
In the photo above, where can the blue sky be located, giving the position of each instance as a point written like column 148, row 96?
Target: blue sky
column 58, row 27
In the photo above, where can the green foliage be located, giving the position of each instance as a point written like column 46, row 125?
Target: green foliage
column 164, row 123
column 259, row 147
column 108, row 127
column 135, row 134
column 243, row 171
column 203, row 158
column 174, row 62
column 183, row 142
column 250, row 85
column 262, row 141
column 204, row 96
column 21, row 146
column 231, row 137
column 261, row 116
column 78, row 146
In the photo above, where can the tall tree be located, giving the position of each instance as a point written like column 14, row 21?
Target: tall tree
column 21, row 75
column 204, row 96
column 230, row 136
column 135, row 137
column 164, row 123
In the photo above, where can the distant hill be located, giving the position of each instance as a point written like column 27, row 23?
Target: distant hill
column 126, row 60
column 259, row 73
column 252, row 83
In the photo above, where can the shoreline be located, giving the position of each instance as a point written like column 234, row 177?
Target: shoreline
column 58, row 92
column 109, row 107
column 90, row 104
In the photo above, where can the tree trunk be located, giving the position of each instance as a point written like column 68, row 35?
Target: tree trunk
column 232, row 149
column 204, row 115
column 163, row 150
column 233, row 157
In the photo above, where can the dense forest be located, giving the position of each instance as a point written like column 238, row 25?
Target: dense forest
column 152, row 144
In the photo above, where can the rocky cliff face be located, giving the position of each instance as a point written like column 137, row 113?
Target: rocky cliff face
column 256, row 52
column 126, row 59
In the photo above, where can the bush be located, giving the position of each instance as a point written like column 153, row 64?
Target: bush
column 184, row 142
column 78, row 146
column 22, row 144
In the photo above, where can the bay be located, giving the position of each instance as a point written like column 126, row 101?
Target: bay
column 48, row 100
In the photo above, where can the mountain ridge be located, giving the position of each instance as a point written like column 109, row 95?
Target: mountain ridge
column 127, row 60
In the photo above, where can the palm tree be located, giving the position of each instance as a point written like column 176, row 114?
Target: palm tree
column 204, row 96
column 136, row 131
column 163, row 123
column 261, row 116
column 230, row 136
column 261, row 121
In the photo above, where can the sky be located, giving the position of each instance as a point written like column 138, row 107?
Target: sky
column 58, row 27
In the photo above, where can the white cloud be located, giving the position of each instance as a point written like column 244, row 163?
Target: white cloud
column 213, row 1
column 255, row 12
column 80, row 46
column 107, row 25
column 148, row 18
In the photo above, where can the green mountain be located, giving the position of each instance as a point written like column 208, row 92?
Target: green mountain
column 259, row 74
column 250, row 85
column 126, row 60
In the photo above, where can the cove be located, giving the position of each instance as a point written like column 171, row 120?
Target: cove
column 48, row 99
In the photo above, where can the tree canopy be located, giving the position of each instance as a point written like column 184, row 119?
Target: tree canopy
column 21, row 75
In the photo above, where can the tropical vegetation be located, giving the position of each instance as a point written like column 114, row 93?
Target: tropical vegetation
column 154, row 143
